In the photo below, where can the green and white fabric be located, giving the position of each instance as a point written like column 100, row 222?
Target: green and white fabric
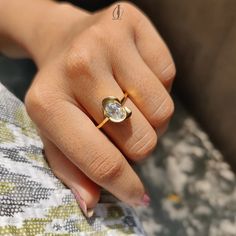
column 32, row 200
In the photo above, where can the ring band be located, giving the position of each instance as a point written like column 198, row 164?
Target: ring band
column 114, row 111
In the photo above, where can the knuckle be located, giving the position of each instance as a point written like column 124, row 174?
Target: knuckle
column 163, row 112
column 96, row 32
column 29, row 101
column 78, row 60
column 39, row 103
column 144, row 144
column 79, row 57
column 107, row 169
column 169, row 108
column 172, row 71
column 35, row 100
column 169, row 72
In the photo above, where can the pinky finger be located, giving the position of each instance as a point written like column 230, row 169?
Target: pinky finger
column 86, row 192
column 156, row 54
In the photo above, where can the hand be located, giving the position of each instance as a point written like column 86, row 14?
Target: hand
column 85, row 59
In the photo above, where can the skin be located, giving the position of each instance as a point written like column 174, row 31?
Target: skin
column 81, row 59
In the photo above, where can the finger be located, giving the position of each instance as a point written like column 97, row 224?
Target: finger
column 80, row 140
column 135, row 137
column 86, row 191
column 161, row 130
column 146, row 91
column 154, row 51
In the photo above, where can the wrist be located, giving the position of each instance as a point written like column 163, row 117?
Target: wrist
column 39, row 26
column 53, row 33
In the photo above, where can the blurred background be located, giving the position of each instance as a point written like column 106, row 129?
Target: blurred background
column 202, row 38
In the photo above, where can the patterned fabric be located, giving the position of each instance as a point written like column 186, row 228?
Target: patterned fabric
column 32, row 200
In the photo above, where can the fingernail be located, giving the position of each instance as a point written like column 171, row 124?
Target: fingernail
column 82, row 204
column 145, row 200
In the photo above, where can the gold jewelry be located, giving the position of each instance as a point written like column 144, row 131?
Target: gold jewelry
column 114, row 111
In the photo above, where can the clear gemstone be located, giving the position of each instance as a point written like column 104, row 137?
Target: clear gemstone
column 115, row 111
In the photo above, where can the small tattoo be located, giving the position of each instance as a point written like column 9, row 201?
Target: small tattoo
column 118, row 12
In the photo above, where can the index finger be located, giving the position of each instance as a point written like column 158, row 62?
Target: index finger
column 87, row 147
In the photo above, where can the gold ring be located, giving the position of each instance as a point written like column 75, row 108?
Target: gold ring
column 114, row 111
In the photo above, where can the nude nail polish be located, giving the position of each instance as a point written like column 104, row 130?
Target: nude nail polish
column 88, row 212
column 145, row 200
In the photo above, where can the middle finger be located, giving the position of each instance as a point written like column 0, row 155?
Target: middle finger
column 92, row 81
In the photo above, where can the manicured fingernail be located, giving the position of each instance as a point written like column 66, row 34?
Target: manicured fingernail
column 82, row 204
column 145, row 200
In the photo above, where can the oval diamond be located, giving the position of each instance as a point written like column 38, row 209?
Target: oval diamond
column 115, row 111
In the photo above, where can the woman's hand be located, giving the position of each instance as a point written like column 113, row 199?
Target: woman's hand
column 83, row 59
